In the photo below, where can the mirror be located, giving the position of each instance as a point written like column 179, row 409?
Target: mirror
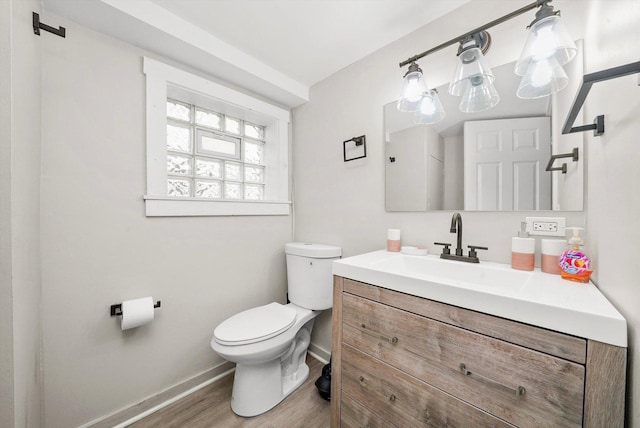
column 493, row 160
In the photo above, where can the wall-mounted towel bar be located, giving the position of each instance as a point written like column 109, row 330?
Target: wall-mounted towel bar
column 360, row 141
column 116, row 310
column 587, row 81
column 563, row 168
column 37, row 26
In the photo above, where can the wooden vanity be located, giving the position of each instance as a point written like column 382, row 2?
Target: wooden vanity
column 409, row 361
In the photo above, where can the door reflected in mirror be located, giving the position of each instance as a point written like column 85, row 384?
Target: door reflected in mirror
column 493, row 160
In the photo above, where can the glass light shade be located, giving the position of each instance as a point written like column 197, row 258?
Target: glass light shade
column 479, row 97
column 472, row 70
column 413, row 89
column 547, row 38
column 543, row 77
column 430, row 109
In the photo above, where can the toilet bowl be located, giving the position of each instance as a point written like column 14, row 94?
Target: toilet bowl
column 269, row 343
column 268, row 367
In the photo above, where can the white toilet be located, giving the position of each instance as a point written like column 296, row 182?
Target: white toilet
column 269, row 343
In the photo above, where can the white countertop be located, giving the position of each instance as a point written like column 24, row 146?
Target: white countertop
column 535, row 298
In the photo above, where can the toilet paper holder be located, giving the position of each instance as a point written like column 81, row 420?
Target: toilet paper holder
column 116, row 310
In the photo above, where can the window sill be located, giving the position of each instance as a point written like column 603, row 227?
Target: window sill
column 164, row 206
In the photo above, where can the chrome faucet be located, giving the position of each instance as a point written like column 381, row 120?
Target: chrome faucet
column 456, row 227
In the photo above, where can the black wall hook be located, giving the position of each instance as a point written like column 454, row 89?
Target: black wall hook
column 37, row 26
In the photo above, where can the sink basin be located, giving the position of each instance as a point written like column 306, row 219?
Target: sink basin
column 455, row 273
column 533, row 297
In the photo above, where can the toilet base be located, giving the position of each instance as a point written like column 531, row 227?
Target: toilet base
column 259, row 388
column 268, row 371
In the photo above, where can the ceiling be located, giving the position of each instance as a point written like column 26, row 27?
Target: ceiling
column 276, row 48
column 309, row 40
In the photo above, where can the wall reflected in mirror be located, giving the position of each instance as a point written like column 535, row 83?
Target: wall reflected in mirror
column 487, row 161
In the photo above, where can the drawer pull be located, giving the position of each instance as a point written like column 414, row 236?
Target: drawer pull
column 520, row 390
column 362, row 382
column 393, row 340
column 392, row 398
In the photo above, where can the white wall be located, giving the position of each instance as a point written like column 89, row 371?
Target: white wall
column 564, row 185
column 613, row 205
column 6, row 286
column 454, row 172
column 343, row 204
column 99, row 248
column 409, row 148
column 20, row 293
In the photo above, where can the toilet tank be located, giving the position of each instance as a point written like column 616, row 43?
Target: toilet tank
column 309, row 274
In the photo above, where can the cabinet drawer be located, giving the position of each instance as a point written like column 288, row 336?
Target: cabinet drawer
column 403, row 399
column 516, row 384
column 355, row 415
column 546, row 341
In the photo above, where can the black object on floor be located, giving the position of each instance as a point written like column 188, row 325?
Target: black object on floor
column 324, row 382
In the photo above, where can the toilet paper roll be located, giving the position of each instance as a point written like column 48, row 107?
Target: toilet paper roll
column 137, row 312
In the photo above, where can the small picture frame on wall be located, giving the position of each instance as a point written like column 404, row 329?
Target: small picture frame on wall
column 355, row 148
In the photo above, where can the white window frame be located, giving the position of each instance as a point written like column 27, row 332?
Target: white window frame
column 164, row 81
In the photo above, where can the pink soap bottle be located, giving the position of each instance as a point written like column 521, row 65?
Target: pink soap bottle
column 523, row 250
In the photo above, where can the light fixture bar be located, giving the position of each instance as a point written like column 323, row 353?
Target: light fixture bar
column 493, row 23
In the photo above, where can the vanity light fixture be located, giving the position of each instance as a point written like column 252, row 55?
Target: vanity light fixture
column 473, row 78
column 413, row 89
column 430, row 109
column 548, row 48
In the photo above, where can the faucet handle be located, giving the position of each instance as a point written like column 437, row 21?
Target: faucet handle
column 446, row 249
column 473, row 248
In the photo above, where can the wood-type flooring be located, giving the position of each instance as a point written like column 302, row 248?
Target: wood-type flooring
column 210, row 407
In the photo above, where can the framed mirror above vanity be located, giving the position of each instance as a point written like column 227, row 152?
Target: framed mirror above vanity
column 493, row 160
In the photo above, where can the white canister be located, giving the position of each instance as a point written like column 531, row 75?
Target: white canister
column 393, row 240
column 551, row 250
column 523, row 253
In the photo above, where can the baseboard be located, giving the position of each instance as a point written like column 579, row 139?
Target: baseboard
column 134, row 413
column 319, row 353
column 131, row 414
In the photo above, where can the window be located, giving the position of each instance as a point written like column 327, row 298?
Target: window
column 211, row 155
column 212, row 150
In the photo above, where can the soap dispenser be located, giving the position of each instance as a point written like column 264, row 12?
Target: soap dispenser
column 574, row 264
column 523, row 249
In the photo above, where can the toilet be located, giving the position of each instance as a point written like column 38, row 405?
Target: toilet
column 269, row 343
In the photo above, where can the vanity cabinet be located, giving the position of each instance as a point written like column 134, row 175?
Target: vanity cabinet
column 407, row 361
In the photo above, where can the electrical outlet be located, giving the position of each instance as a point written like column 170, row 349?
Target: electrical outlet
column 546, row 226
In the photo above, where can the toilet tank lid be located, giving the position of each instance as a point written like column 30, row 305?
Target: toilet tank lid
column 318, row 251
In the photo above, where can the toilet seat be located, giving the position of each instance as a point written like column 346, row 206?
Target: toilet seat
column 255, row 325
